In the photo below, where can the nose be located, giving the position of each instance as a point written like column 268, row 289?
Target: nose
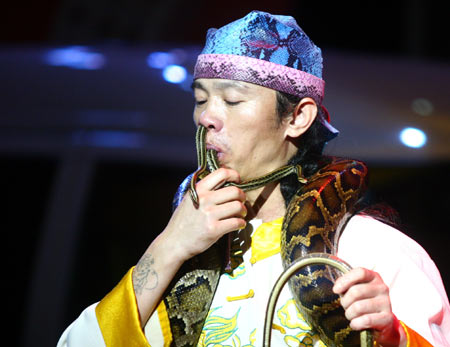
column 210, row 120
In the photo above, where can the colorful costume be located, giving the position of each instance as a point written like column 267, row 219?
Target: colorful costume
column 237, row 312
column 274, row 52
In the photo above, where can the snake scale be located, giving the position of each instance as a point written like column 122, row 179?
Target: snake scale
column 314, row 219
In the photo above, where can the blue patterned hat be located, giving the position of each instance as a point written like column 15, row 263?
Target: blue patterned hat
column 268, row 50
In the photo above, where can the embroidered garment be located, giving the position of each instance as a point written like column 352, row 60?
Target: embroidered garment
column 115, row 322
column 237, row 313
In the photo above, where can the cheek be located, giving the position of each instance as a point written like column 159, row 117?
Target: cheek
column 250, row 144
column 268, row 142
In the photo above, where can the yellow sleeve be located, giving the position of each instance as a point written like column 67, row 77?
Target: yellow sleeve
column 164, row 324
column 118, row 316
column 414, row 339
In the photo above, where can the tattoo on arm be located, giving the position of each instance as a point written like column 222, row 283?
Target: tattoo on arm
column 144, row 276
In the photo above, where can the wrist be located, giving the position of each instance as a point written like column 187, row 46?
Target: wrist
column 393, row 336
column 168, row 251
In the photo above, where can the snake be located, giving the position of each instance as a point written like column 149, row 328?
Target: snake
column 314, row 220
column 207, row 162
column 366, row 337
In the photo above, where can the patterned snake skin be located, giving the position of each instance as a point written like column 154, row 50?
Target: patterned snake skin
column 313, row 222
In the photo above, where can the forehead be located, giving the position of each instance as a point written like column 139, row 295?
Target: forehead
column 217, row 84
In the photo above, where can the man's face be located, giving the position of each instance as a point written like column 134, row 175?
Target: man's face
column 242, row 125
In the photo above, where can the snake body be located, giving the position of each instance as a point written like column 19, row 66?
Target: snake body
column 366, row 337
column 314, row 219
column 313, row 222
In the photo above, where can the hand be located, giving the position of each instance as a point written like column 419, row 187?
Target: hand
column 192, row 230
column 365, row 299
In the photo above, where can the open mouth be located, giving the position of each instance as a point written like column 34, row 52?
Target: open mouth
column 214, row 148
column 219, row 152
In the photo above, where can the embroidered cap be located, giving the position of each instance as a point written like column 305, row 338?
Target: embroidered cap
column 268, row 50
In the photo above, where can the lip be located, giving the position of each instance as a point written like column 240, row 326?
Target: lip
column 219, row 152
column 214, row 147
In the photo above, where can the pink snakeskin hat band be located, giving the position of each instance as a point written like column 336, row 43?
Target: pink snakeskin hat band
column 261, row 72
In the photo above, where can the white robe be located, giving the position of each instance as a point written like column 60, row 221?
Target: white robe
column 416, row 290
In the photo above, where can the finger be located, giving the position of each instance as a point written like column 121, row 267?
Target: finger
column 354, row 276
column 222, row 196
column 228, row 210
column 367, row 306
column 218, row 178
column 363, row 291
column 377, row 321
column 225, row 226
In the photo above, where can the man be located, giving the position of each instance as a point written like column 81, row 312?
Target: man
column 258, row 92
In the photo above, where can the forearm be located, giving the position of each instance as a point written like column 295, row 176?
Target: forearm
column 116, row 320
column 190, row 231
column 152, row 276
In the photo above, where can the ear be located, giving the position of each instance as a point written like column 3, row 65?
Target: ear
column 301, row 118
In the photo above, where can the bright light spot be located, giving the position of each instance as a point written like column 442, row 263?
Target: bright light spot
column 413, row 137
column 159, row 60
column 76, row 57
column 422, row 106
column 174, row 74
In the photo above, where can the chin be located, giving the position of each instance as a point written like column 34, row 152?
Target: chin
column 222, row 162
column 225, row 166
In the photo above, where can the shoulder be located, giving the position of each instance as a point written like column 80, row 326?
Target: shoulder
column 400, row 260
column 367, row 236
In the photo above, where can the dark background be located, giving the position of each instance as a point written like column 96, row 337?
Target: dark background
column 91, row 158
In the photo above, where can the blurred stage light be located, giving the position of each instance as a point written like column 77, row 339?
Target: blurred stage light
column 109, row 138
column 159, row 60
column 174, row 74
column 76, row 57
column 413, row 137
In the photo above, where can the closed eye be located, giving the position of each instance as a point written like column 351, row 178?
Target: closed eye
column 199, row 102
column 232, row 103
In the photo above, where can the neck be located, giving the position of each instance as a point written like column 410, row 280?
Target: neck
column 266, row 203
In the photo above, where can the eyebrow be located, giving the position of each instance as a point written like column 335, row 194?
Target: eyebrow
column 197, row 85
column 221, row 85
